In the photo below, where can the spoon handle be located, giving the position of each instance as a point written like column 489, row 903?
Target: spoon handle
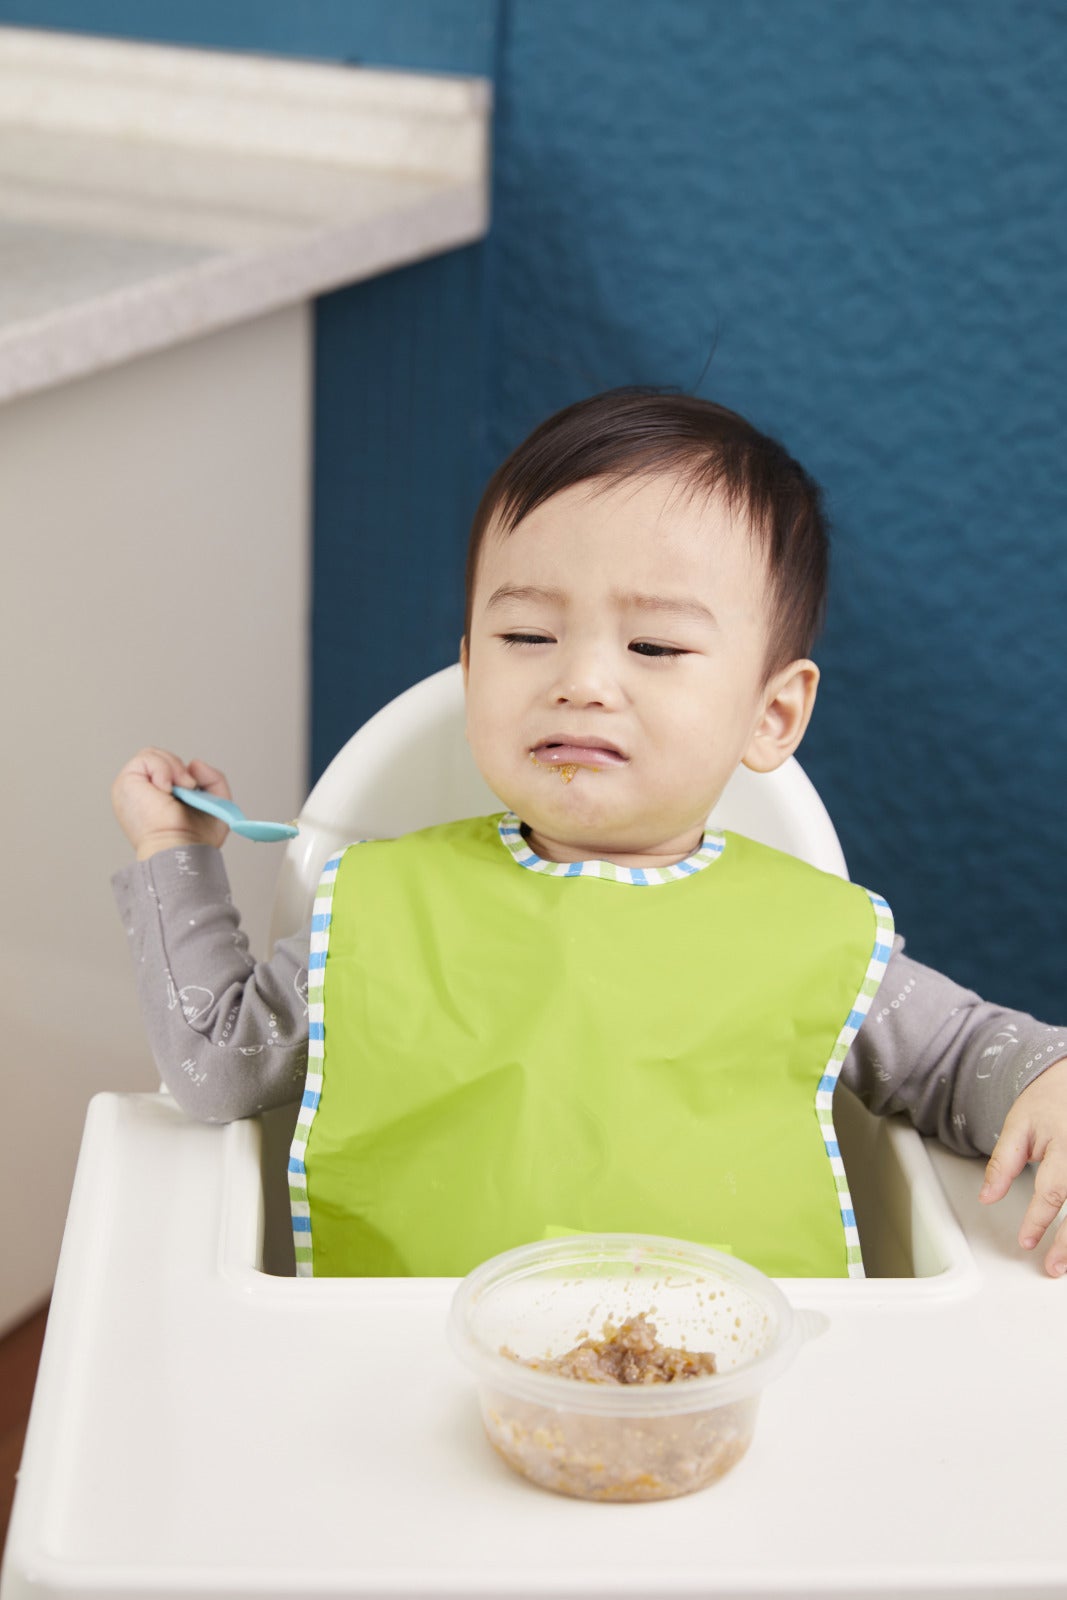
column 228, row 812
column 213, row 804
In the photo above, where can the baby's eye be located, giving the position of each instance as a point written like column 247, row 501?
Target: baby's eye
column 525, row 638
column 642, row 647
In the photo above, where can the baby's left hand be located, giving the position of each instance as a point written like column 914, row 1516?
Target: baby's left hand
column 1035, row 1129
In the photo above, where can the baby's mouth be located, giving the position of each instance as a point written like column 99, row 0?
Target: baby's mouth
column 576, row 753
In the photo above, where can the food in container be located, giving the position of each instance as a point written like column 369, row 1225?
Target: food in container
column 522, row 1314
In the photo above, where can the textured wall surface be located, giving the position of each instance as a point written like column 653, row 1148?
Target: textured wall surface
column 858, row 208
column 398, row 392
column 415, row 35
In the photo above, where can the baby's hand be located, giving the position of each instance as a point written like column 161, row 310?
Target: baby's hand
column 1035, row 1129
column 150, row 817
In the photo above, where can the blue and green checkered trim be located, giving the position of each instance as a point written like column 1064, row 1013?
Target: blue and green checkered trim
column 709, row 850
column 321, row 916
column 824, row 1097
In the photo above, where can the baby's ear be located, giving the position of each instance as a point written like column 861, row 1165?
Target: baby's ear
column 464, row 659
column 788, row 702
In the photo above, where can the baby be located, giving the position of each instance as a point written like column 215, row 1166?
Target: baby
column 591, row 1012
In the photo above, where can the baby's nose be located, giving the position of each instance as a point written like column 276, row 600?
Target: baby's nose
column 586, row 678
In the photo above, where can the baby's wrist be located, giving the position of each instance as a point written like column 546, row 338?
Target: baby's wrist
column 154, row 844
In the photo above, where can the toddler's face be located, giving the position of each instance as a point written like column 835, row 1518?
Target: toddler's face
column 615, row 668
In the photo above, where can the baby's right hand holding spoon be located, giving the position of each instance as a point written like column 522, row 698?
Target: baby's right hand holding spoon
column 149, row 815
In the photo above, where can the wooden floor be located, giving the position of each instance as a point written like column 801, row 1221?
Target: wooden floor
column 20, row 1351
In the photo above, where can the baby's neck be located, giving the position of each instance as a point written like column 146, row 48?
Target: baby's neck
column 665, row 855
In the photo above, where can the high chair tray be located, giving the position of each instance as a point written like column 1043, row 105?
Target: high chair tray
column 203, row 1429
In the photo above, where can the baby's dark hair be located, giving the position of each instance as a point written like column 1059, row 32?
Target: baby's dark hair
column 627, row 433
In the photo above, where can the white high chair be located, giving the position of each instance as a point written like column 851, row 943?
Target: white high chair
column 206, row 1426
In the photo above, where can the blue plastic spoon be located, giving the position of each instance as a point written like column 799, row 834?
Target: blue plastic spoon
column 226, row 811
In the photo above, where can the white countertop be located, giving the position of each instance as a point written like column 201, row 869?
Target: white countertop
column 200, row 1429
column 151, row 194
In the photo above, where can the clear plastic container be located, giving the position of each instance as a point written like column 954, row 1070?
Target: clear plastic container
column 622, row 1441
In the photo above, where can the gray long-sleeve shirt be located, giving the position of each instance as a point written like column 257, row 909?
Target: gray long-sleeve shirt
column 229, row 1033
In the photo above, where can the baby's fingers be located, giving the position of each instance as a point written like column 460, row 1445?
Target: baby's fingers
column 1056, row 1260
column 209, row 778
column 1050, row 1193
column 158, row 769
column 1010, row 1154
column 145, row 807
column 164, row 769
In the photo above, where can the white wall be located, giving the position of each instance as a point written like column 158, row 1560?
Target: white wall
column 156, row 590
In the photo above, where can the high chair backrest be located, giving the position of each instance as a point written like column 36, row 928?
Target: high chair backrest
column 410, row 766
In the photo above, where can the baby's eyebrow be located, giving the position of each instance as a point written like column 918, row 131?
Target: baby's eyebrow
column 671, row 605
column 523, row 592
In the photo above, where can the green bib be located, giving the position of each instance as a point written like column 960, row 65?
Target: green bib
column 503, row 1048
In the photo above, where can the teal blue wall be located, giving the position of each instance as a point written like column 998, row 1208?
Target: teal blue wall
column 855, row 208
column 423, row 35
column 399, row 390
column 858, row 205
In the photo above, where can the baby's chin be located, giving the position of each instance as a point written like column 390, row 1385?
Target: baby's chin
column 571, row 816
column 580, row 814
